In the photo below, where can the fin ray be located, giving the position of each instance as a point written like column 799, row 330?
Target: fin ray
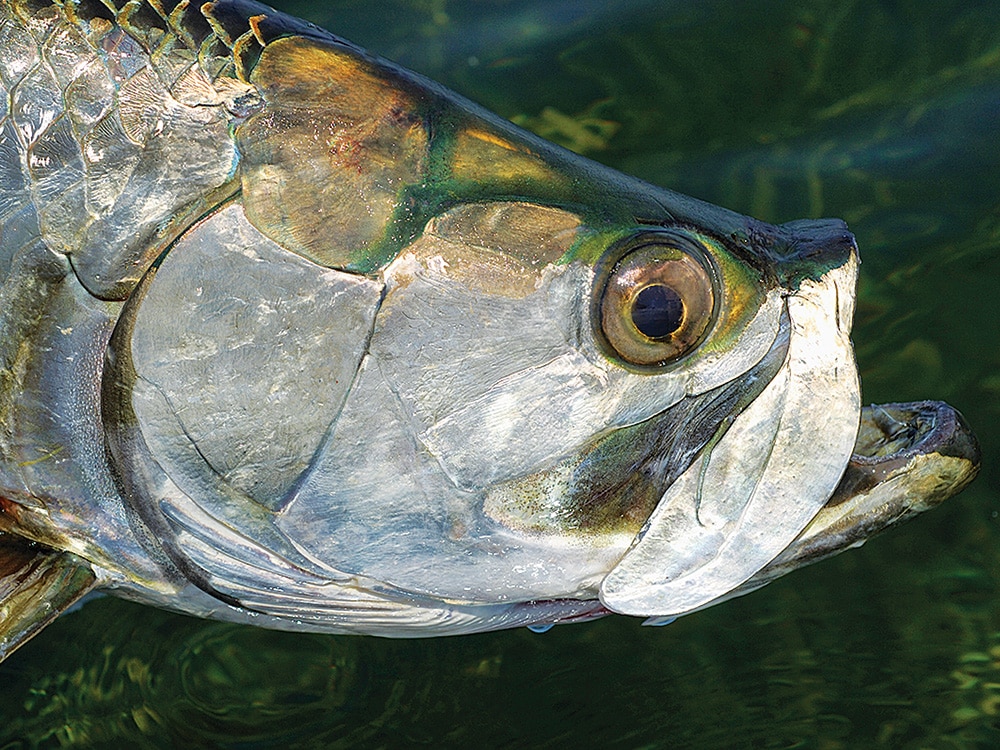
column 37, row 584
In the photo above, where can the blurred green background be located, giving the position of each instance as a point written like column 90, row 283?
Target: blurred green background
column 883, row 113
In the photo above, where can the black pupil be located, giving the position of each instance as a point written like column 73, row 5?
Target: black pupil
column 657, row 311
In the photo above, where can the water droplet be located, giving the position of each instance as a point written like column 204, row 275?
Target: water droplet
column 656, row 622
column 541, row 627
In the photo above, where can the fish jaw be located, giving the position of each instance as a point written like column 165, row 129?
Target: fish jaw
column 909, row 458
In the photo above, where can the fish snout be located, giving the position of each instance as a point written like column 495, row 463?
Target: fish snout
column 810, row 248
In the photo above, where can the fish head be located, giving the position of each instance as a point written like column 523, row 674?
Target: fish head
column 518, row 375
column 655, row 382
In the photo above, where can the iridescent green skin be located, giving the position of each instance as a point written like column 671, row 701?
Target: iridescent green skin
column 289, row 334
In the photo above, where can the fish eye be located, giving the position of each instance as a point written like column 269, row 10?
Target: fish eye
column 657, row 301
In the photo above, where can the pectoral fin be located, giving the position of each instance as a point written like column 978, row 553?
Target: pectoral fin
column 36, row 586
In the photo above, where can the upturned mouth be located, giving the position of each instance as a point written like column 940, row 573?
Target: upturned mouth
column 908, row 458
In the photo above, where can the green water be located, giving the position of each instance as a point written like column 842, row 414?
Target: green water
column 886, row 114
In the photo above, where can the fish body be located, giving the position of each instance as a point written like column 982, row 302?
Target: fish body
column 293, row 336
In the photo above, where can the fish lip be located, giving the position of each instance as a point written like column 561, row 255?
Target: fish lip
column 934, row 427
column 949, row 434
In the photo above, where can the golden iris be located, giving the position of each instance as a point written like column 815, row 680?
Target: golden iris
column 658, row 300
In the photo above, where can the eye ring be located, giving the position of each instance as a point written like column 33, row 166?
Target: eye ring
column 657, row 299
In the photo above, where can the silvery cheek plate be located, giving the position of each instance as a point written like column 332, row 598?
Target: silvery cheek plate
column 290, row 335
